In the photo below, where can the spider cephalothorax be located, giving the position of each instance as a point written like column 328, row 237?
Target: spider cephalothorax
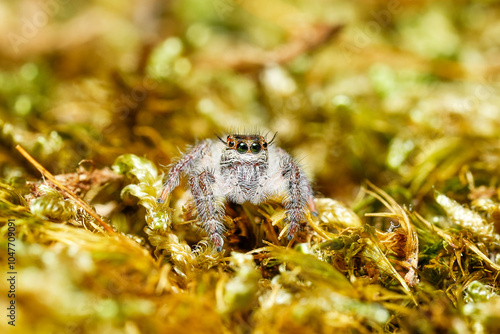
column 242, row 168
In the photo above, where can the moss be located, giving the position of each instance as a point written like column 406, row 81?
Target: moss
column 391, row 108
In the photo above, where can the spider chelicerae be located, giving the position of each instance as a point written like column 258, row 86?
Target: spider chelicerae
column 242, row 168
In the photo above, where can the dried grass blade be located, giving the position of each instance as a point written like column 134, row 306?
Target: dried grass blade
column 85, row 206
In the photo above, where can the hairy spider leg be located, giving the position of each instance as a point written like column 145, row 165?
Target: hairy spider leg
column 299, row 194
column 180, row 167
column 210, row 209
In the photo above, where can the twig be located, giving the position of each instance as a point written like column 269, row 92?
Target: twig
column 85, row 206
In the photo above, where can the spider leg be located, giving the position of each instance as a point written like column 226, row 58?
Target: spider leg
column 210, row 209
column 180, row 167
column 299, row 195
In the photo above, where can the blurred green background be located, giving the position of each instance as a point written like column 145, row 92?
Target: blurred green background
column 403, row 91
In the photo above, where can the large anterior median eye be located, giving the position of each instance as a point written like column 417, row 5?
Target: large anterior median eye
column 255, row 147
column 242, row 147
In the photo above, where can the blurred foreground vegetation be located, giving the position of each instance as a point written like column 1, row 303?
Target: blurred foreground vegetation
column 391, row 107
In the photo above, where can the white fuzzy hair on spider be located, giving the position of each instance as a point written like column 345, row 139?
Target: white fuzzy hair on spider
column 241, row 168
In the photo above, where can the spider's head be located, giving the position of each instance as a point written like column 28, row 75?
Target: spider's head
column 247, row 144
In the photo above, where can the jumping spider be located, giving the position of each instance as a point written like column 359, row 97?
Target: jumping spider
column 243, row 168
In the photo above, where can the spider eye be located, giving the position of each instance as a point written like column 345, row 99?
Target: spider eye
column 242, row 147
column 255, row 147
column 264, row 145
column 230, row 144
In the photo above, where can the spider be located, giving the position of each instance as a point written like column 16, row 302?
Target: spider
column 242, row 168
